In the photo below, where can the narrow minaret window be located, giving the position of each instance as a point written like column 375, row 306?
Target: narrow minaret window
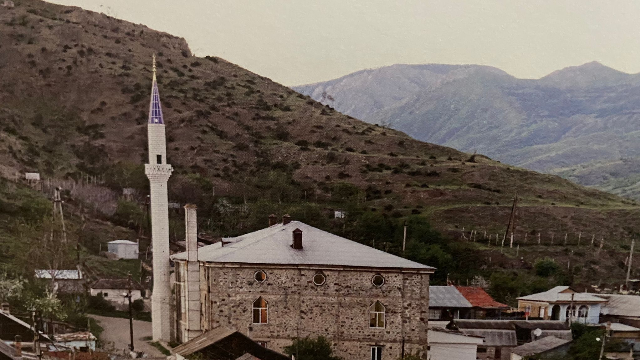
column 159, row 159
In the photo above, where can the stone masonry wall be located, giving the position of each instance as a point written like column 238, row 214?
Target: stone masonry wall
column 338, row 310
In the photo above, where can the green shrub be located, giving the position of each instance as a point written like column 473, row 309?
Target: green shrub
column 546, row 267
column 311, row 349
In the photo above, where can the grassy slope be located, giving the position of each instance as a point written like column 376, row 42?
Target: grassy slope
column 84, row 78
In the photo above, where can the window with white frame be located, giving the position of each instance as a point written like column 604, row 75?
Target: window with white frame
column 376, row 353
column 376, row 315
column 260, row 311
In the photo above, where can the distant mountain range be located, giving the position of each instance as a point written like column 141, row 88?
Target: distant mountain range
column 581, row 122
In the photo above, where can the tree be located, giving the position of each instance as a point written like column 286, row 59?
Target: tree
column 546, row 267
column 311, row 349
column 49, row 306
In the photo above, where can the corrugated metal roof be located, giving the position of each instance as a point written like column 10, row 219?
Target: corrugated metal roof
column 483, row 324
column 479, row 298
column 539, row 346
column 447, row 296
column 127, row 242
column 494, row 337
column 541, row 324
column 557, row 295
column 272, row 245
column 621, row 327
column 621, row 305
column 59, row 274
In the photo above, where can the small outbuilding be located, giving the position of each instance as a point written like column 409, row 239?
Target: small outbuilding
column 549, row 345
column 447, row 303
column 124, row 249
column 114, row 291
column 448, row 345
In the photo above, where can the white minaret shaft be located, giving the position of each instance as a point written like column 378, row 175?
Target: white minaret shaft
column 158, row 172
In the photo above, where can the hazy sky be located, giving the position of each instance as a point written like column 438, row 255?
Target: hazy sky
column 302, row 41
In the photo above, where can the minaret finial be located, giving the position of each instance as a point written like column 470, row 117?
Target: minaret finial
column 154, row 67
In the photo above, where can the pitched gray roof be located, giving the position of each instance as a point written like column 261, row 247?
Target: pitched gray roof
column 621, row 305
column 539, row 346
column 447, row 296
column 556, row 295
column 272, row 245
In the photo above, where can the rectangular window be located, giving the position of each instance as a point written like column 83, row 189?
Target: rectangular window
column 159, row 159
column 105, row 294
column 376, row 353
column 434, row 314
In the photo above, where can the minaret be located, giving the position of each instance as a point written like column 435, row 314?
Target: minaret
column 158, row 172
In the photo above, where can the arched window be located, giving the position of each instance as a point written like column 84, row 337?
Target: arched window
column 555, row 312
column 260, row 311
column 571, row 312
column 376, row 315
column 583, row 313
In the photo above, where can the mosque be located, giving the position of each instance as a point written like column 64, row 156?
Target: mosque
column 286, row 281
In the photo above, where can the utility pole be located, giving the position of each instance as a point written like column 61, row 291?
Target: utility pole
column 571, row 310
column 130, row 314
column 633, row 242
column 404, row 238
column 511, row 225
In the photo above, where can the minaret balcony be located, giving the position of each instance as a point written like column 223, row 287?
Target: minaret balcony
column 158, row 171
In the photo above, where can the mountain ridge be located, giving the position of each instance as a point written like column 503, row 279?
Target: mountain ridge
column 512, row 120
column 73, row 104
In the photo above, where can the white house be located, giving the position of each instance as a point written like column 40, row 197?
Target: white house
column 114, row 291
column 123, row 249
column 449, row 345
column 563, row 303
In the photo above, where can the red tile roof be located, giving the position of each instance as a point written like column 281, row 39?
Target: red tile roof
column 479, row 298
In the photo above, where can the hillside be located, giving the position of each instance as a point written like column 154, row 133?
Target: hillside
column 570, row 118
column 74, row 87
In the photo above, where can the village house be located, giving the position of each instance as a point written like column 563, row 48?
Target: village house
column 501, row 336
column 447, row 303
column 564, row 304
column 624, row 309
column 482, row 304
column 123, row 249
column 114, row 291
column 64, row 281
column 291, row 280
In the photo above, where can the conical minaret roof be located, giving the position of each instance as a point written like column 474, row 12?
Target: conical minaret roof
column 155, row 110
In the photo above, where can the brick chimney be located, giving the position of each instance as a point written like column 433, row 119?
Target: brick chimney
column 286, row 219
column 297, row 239
column 273, row 219
column 191, row 231
column 5, row 308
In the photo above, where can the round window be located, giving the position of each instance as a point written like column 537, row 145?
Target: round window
column 377, row 280
column 319, row 279
column 260, row 276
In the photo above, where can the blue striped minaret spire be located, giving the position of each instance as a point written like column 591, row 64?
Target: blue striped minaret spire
column 155, row 110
